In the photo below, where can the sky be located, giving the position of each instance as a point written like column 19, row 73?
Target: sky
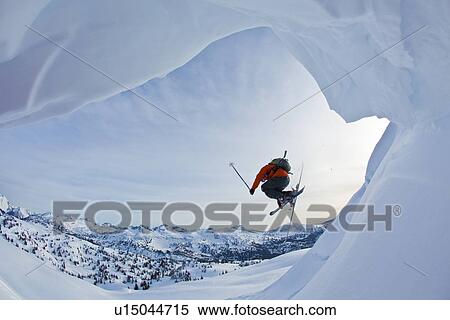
column 226, row 99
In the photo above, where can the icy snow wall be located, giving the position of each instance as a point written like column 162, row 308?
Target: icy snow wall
column 408, row 83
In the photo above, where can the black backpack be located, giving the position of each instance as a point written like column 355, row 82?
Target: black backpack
column 282, row 163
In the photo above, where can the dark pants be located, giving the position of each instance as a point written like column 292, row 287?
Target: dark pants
column 273, row 188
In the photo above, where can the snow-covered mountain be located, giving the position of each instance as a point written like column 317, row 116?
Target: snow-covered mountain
column 6, row 207
column 136, row 259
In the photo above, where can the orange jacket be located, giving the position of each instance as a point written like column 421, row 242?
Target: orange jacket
column 267, row 172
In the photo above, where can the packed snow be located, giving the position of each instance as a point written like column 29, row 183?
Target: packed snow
column 407, row 84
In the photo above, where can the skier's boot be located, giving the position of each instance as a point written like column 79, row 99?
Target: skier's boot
column 279, row 202
column 282, row 201
column 287, row 197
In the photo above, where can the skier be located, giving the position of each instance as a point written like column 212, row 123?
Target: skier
column 275, row 176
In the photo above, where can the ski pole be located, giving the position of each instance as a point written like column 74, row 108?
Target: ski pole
column 292, row 213
column 237, row 172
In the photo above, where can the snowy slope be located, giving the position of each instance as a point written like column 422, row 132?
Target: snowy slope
column 16, row 281
column 238, row 284
column 398, row 264
column 408, row 84
column 47, row 283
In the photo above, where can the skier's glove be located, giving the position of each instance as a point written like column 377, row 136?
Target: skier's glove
column 252, row 191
